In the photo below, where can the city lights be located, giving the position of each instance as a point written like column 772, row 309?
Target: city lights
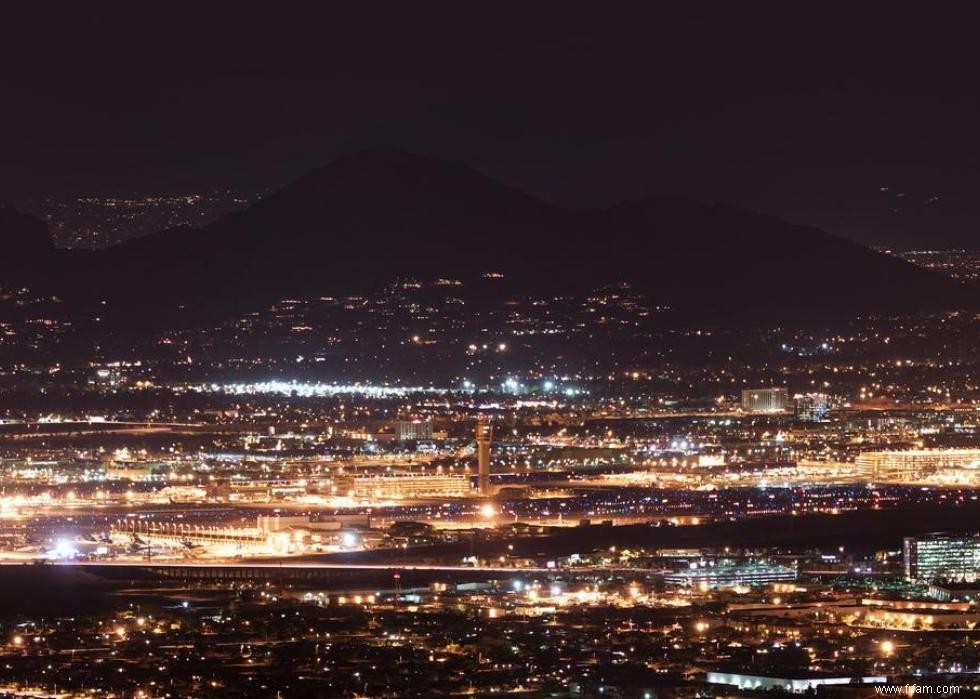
column 494, row 413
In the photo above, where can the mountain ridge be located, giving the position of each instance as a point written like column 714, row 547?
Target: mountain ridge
column 368, row 217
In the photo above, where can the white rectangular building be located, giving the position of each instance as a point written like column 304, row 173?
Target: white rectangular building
column 765, row 400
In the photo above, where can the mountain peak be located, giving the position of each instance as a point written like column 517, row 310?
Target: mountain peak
column 390, row 175
column 379, row 164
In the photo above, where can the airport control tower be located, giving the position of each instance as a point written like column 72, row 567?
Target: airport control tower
column 484, row 435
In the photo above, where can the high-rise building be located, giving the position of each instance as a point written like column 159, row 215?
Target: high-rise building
column 942, row 556
column 812, row 407
column 484, row 435
column 765, row 400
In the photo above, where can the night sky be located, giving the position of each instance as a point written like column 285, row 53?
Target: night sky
column 807, row 117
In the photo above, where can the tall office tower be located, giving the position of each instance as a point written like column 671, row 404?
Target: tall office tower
column 484, row 435
column 931, row 557
column 812, row 407
column 764, row 400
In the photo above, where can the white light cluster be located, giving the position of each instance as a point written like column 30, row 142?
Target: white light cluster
column 306, row 389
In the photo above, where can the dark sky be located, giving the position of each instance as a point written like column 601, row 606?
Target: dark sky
column 808, row 117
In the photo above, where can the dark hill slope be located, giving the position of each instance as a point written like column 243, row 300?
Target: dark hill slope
column 375, row 216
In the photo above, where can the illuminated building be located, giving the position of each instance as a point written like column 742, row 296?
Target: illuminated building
column 106, row 379
column 941, row 556
column 410, row 485
column 915, row 463
column 271, row 535
column 729, row 575
column 765, row 400
column 812, row 407
column 410, row 430
column 797, row 685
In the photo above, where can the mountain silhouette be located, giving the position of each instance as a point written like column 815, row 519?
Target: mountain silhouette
column 23, row 238
column 371, row 217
